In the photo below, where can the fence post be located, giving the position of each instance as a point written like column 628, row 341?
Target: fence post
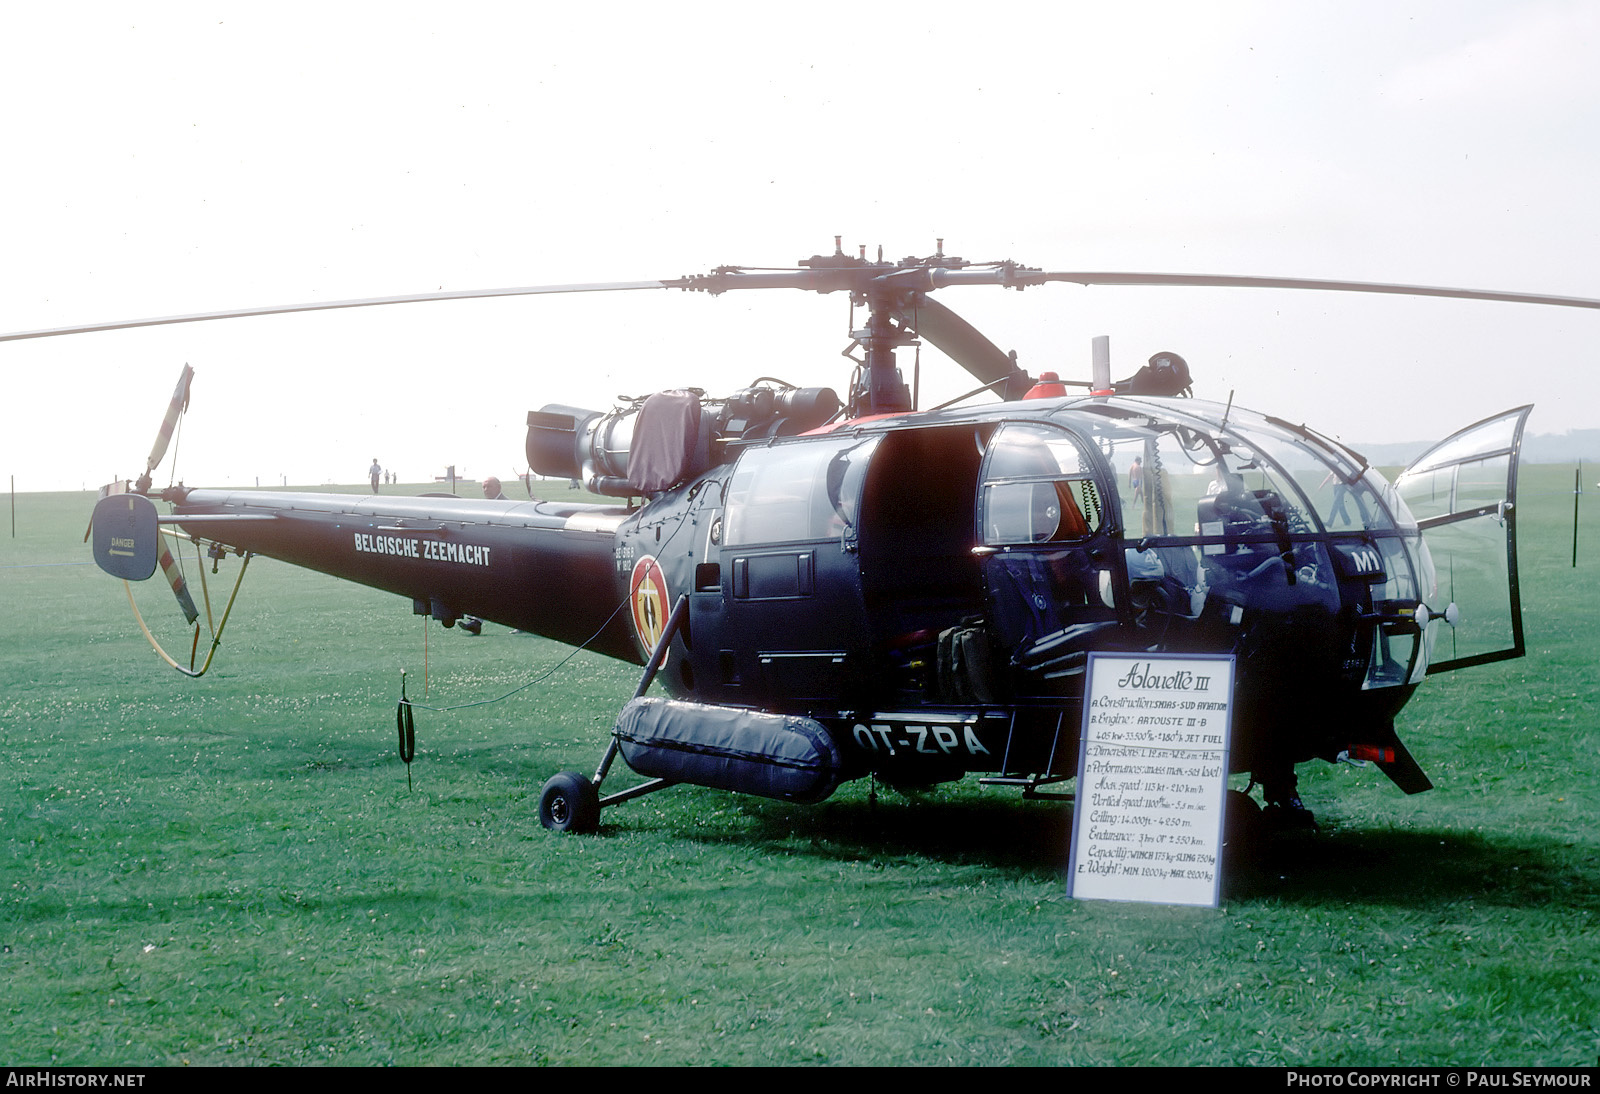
column 1577, row 489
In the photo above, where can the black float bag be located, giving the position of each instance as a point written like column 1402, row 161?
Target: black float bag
column 747, row 751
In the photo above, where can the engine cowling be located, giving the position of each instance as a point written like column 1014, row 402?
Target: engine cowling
column 658, row 441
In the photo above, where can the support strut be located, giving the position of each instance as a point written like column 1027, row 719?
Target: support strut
column 657, row 656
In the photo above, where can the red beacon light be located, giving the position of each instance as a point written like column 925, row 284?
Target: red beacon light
column 1048, row 386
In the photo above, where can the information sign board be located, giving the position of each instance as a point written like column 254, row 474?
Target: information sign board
column 1152, row 775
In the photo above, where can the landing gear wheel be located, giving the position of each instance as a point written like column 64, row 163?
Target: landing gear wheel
column 1242, row 825
column 1288, row 814
column 569, row 803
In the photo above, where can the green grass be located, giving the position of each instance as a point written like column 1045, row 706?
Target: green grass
column 232, row 870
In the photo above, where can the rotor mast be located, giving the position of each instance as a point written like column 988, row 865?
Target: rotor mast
column 880, row 388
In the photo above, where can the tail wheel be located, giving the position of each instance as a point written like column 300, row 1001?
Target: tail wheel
column 569, row 803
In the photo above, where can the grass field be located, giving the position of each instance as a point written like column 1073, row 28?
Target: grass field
column 233, row 870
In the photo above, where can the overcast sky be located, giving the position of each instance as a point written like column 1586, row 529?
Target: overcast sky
column 171, row 158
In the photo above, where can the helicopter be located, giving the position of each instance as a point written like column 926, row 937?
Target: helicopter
column 832, row 588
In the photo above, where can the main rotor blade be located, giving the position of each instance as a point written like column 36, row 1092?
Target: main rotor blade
column 919, row 279
column 1012, row 276
column 1229, row 281
column 963, row 343
column 330, row 305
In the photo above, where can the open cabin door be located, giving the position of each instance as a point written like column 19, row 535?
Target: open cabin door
column 1463, row 492
column 1045, row 527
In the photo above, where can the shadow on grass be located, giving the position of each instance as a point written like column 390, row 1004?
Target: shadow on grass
column 1402, row 867
column 1018, row 839
column 1426, row 867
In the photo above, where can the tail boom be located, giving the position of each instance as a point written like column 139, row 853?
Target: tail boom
column 542, row 567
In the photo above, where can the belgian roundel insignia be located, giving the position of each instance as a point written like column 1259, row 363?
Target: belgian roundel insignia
column 649, row 601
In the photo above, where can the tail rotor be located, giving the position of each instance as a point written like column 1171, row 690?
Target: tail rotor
column 128, row 542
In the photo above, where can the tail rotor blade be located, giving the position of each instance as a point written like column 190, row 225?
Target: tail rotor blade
column 180, row 587
column 180, row 403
